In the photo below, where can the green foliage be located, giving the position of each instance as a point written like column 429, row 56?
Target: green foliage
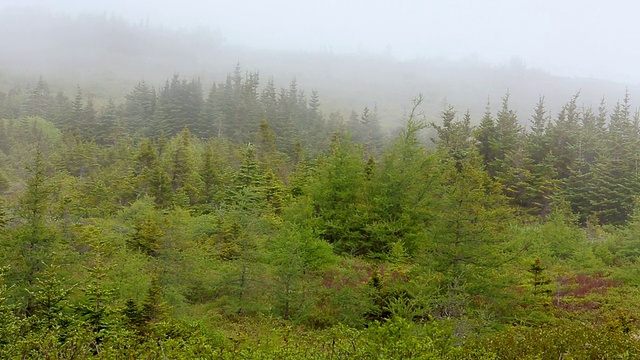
column 48, row 305
column 10, row 325
column 96, row 307
column 210, row 175
column 128, row 236
column 183, row 173
column 35, row 199
column 338, row 200
column 4, row 216
column 297, row 256
column 4, row 182
column 478, row 216
column 146, row 237
column 399, row 198
column 577, row 340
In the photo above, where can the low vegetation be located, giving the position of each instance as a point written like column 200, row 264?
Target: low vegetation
column 247, row 224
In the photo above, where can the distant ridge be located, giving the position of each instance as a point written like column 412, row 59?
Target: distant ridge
column 107, row 54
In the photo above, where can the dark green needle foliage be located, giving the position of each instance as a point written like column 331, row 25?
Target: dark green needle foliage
column 162, row 223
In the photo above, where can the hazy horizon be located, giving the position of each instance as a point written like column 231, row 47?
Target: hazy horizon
column 589, row 41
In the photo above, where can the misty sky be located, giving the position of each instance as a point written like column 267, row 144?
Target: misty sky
column 574, row 38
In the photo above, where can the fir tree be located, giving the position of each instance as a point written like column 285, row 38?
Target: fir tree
column 106, row 124
column 183, row 174
column 486, row 137
column 146, row 237
column 139, row 110
column 39, row 101
column 210, row 175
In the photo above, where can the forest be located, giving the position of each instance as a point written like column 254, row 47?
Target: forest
column 242, row 222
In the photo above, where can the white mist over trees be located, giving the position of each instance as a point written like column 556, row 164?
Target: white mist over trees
column 586, row 39
column 107, row 54
column 175, row 193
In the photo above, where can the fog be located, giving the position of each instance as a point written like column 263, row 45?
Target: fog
column 356, row 54
column 592, row 39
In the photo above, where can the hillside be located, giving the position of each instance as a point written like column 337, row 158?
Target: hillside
column 165, row 195
column 107, row 56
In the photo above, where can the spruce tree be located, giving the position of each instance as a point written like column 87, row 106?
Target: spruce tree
column 399, row 201
column 146, row 237
column 76, row 117
column 466, row 233
column 486, row 138
column 537, row 140
column 48, row 305
column 563, row 138
column 106, row 124
column 183, row 172
column 96, row 306
column 297, row 256
column 210, row 124
column 4, row 139
column 139, row 110
column 615, row 178
column 338, row 195
column 210, row 176
column 39, row 101
column 35, row 200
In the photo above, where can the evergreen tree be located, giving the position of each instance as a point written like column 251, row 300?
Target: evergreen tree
column 4, row 182
column 210, row 175
column 399, row 199
column 544, row 185
column 95, row 307
column 269, row 102
column 89, row 124
column 39, row 101
column 153, row 309
column 337, row 197
column 152, row 179
column 179, row 105
column 211, row 118
column 540, row 282
column 183, row 172
column 243, row 280
column 147, row 155
column 372, row 134
column 537, row 140
column 139, row 110
column 467, row 240
column 265, row 140
column 248, row 191
column 563, row 138
column 591, row 143
column 507, row 130
column 297, row 255
column 486, row 135
column 4, row 139
column 10, row 325
column 49, row 300
column 146, row 237
column 515, row 174
column 35, row 199
column 107, row 123
column 615, row 178
column 454, row 136
column 314, row 107
column 61, row 112
column 76, row 116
